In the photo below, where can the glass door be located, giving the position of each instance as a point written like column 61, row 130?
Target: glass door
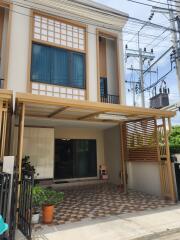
column 75, row 159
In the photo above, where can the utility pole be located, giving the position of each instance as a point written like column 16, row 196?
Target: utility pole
column 141, row 77
column 176, row 40
column 142, row 55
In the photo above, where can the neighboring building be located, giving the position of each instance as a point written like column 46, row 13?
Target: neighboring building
column 63, row 60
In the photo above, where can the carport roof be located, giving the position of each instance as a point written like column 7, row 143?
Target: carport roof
column 56, row 108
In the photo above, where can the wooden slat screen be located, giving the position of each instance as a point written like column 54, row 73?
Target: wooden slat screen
column 166, row 186
column 141, row 141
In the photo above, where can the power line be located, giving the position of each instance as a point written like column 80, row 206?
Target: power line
column 128, row 32
column 165, row 4
column 149, row 5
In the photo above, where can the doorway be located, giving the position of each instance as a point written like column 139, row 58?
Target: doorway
column 75, row 158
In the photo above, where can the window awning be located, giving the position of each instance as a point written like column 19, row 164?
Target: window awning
column 68, row 109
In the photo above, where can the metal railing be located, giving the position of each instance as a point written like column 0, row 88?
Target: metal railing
column 25, row 203
column 108, row 98
column 1, row 83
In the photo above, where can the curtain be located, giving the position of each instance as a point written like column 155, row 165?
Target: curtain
column 59, row 67
column 40, row 68
column 78, row 70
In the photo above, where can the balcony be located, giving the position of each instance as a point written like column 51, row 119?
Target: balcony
column 112, row 99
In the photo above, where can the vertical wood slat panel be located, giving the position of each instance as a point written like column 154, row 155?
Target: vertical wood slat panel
column 141, row 141
column 123, row 157
column 167, row 182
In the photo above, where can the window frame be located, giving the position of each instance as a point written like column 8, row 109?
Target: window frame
column 70, row 71
column 32, row 40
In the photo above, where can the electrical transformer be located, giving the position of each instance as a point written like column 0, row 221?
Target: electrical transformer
column 159, row 101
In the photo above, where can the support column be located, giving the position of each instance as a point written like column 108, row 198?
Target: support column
column 20, row 139
column 170, row 172
column 3, row 135
column 123, row 160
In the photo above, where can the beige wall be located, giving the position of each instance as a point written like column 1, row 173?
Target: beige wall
column 111, row 67
column 19, row 49
column 112, row 153
column 122, row 89
column 144, row 177
column 19, row 55
column 84, row 133
column 4, row 43
column 92, row 63
column 39, row 145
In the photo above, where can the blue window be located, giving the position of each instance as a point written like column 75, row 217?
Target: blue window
column 58, row 66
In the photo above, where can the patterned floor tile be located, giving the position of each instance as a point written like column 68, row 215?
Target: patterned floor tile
column 102, row 200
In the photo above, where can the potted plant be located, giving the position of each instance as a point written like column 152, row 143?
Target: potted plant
column 51, row 198
column 37, row 200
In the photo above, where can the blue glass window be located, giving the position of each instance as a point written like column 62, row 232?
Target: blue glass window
column 40, row 68
column 57, row 66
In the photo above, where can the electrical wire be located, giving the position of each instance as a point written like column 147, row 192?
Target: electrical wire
column 149, row 5
column 120, row 39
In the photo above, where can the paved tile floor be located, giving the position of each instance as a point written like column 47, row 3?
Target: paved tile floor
column 101, row 200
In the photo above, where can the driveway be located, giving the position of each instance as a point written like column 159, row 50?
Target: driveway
column 100, row 201
column 147, row 225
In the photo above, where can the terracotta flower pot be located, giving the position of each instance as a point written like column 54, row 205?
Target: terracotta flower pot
column 48, row 214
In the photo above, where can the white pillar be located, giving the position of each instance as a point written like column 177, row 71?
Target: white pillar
column 19, row 49
column 122, row 71
column 92, row 61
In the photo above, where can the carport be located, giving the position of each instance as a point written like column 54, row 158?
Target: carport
column 143, row 132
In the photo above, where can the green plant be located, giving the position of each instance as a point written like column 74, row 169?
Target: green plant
column 38, row 196
column 52, row 197
column 174, row 140
column 26, row 164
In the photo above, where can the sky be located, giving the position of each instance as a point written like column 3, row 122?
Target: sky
column 158, row 39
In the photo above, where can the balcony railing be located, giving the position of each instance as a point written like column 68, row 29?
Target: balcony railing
column 1, row 83
column 113, row 99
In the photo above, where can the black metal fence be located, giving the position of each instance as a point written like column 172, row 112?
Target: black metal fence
column 113, row 99
column 5, row 181
column 8, row 206
column 25, row 203
column 13, row 211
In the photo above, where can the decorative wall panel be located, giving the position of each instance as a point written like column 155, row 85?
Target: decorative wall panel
column 59, row 33
column 58, row 91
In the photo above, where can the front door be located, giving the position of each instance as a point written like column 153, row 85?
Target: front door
column 75, row 158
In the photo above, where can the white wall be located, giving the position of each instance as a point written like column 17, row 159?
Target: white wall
column 19, row 49
column 144, row 177
column 111, row 56
column 92, row 63
column 112, row 153
column 83, row 133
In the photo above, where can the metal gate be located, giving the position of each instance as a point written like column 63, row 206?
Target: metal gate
column 177, row 174
column 5, row 180
column 25, row 203
column 7, row 206
column 13, row 211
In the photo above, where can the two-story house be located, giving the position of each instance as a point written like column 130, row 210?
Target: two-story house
column 62, row 71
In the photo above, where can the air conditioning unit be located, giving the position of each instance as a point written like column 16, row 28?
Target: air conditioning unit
column 159, row 101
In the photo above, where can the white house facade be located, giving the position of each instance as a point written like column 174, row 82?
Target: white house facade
column 62, row 74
